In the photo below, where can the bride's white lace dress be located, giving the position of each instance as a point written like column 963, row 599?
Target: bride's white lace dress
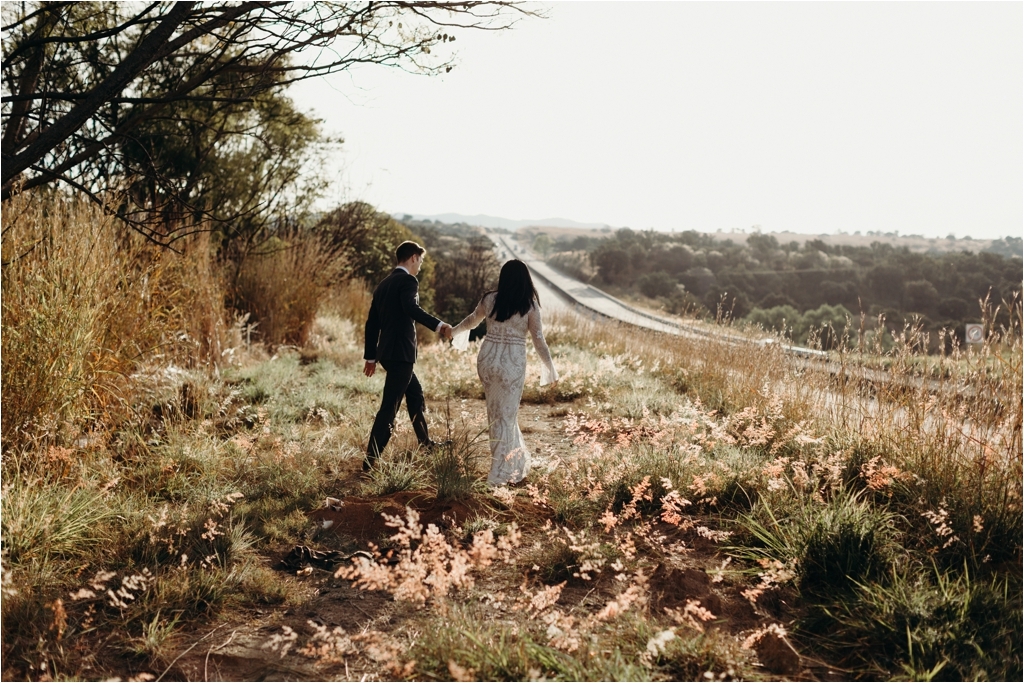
column 501, row 365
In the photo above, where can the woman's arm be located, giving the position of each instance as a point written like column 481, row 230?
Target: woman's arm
column 460, row 333
column 548, row 374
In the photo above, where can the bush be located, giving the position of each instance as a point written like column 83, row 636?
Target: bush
column 283, row 285
column 834, row 546
column 657, row 284
column 922, row 626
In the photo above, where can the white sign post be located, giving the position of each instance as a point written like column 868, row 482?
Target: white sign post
column 974, row 333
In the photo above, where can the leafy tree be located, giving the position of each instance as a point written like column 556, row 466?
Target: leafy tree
column 542, row 244
column 465, row 270
column 368, row 238
column 613, row 265
column 699, row 280
column 920, row 296
column 82, row 80
column 782, row 319
column 954, row 307
column 657, row 284
column 829, row 323
column 941, row 290
column 245, row 165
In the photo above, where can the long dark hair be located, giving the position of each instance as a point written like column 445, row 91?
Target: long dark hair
column 516, row 293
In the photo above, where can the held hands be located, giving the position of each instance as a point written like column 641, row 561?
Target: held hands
column 445, row 331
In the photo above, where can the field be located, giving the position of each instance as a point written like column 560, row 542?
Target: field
column 696, row 510
column 677, row 516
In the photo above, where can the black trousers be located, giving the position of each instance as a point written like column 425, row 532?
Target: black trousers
column 400, row 381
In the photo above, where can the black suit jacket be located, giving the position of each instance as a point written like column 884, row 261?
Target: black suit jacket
column 390, row 332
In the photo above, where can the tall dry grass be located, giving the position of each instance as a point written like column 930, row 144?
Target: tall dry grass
column 283, row 285
column 85, row 303
column 349, row 300
column 953, row 445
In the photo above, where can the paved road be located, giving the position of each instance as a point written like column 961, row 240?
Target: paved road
column 586, row 300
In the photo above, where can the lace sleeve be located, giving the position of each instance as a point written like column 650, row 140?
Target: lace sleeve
column 460, row 333
column 548, row 374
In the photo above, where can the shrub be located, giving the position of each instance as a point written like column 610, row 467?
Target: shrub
column 925, row 625
column 282, row 285
column 834, row 545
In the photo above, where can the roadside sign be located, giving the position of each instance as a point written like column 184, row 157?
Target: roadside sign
column 974, row 333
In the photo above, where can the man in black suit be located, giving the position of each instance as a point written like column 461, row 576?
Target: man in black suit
column 390, row 339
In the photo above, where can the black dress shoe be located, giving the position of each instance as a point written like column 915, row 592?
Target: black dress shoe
column 367, row 465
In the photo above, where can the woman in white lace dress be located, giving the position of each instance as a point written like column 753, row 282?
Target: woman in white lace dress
column 512, row 312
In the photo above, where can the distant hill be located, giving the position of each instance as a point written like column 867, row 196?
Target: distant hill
column 505, row 223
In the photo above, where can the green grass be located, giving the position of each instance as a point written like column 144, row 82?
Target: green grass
column 455, row 465
column 393, row 473
column 43, row 520
column 835, row 545
column 925, row 624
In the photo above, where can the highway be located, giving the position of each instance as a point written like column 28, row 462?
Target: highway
column 561, row 292
column 592, row 303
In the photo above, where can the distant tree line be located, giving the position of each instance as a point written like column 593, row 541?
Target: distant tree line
column 797, row 287
column 465, row 266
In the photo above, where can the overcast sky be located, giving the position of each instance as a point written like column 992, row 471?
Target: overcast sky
column 804, row 116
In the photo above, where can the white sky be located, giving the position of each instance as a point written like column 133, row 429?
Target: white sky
column 804, row 116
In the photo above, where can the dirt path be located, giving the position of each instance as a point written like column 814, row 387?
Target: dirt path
column 240, row 646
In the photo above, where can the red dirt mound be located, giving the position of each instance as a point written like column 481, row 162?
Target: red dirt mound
column 363, row 518
column 671, row 588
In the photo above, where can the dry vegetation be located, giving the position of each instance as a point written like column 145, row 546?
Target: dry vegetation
column 697, row 510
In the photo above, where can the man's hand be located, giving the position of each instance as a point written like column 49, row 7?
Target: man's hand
column 445, row 331
column 369, row 368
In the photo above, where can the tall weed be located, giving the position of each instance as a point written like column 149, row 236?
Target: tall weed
column 85, row 304
column 282, row 285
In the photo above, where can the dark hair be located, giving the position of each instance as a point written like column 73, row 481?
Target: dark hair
column 406, row 250
column 516, row 293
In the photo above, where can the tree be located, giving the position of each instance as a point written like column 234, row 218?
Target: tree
column 245, row 166
column 613, row 265
column 785, row 320
column 367, row 239
column 828, row 324
column 656, row 284
column 921, row 296
column 464, row 272
column 82, row 79
column 542, row 244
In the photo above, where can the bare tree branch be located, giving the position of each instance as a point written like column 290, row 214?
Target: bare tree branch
column 147, row 51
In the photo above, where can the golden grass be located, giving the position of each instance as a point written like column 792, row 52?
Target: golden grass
column 85, row 304
column 283, row 284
